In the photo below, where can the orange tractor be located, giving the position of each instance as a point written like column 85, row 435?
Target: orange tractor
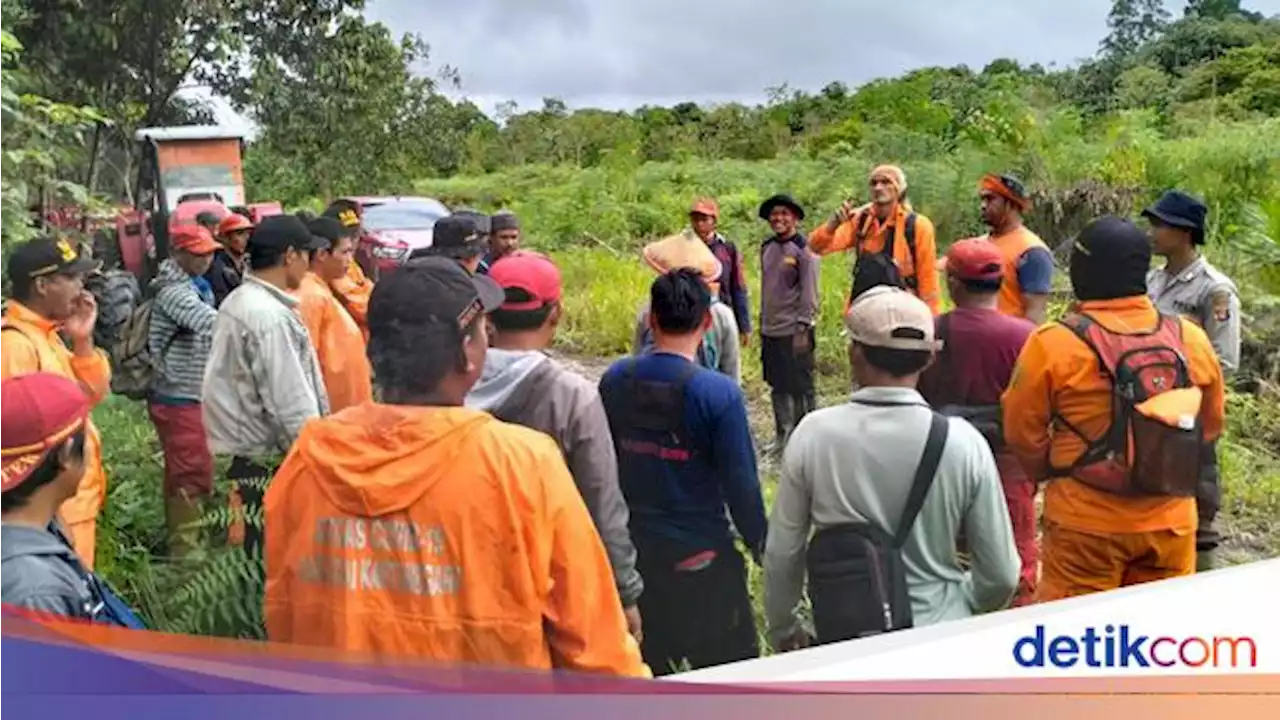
column 184, row 172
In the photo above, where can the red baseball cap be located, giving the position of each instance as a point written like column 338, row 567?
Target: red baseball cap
column 975, row 259
column 38, row 412
column 234, row 222
column 531, row 272
column 195, row 239
column 705, row 206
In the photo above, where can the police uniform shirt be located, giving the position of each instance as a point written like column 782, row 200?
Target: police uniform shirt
column 1203, row 294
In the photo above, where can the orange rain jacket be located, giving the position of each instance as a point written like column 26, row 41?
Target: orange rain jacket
column 923, row 267
column 354, row 290
column 339, row 344
column 439, row 533
column 1058, row 372
column 34, row 345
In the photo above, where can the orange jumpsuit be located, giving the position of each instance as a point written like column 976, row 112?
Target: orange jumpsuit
column 339, row 344
column 354, row 290
column 1095, row 540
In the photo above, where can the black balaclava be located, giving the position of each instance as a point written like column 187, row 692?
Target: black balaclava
column 1110, row 259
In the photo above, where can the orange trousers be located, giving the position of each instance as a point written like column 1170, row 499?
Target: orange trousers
column 1079, row 563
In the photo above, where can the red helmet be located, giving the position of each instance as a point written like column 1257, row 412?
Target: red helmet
column 232, row 223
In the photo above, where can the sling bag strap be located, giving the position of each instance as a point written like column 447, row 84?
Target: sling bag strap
column 931, row 457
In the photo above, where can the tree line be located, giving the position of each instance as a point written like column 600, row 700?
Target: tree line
column 343, row 105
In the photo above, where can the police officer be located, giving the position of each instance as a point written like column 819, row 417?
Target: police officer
column 1188, row 285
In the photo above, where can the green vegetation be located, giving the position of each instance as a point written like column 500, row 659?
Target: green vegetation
column 1192, row 102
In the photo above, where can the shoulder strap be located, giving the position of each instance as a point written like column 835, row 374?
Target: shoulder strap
column 1079, row 324
column 925, row 473
column 909, row 233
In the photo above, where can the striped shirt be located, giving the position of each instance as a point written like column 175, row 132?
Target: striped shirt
column 180, row 335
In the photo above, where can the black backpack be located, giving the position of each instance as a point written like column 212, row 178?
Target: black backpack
column 872, row 269
column 986, row 419
column 857, row 578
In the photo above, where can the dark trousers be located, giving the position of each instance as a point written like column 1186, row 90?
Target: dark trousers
column 1208, row 499
column 250, row 477
column 700, row 617
column 789, row 373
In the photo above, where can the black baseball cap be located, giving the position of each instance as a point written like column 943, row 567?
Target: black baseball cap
column 483, row 223
column 328, row 228
column 48, row 255
column 458, row 231
column 433, row 287
column 281, row 232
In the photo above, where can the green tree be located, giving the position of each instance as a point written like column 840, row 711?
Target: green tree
column 37, row 133
column 1143, row 86
column 1132, row 23
column 349, row 115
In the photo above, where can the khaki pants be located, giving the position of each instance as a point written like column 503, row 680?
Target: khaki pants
column 1079, row 563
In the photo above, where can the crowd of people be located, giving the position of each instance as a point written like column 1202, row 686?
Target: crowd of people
column 423, row 479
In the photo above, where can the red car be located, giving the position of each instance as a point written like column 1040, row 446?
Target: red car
column 392, row 228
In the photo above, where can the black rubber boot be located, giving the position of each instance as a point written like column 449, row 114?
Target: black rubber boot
column 784, row 420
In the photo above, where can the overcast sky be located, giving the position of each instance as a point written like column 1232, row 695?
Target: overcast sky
column 626, row 53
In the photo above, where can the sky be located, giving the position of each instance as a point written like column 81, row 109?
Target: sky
column 620, row 54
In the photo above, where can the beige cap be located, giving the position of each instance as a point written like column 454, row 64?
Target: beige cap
column 889, row 317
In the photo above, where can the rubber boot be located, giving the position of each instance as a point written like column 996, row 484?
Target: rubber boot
column 182, row 517
column 804, row 403
column 1205, row 560
column 784, row 420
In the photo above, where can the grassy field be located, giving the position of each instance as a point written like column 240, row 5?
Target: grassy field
column 602, row 292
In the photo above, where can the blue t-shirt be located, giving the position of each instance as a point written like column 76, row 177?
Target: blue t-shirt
column 1035, row 271
column 678, row 490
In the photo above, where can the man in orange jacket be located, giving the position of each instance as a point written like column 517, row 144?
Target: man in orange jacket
column 47, row 278
column 339, row 344
column 418, row 527
column 1028, row 264
column 353, row 287
column 1112, row 524
column 886, row 226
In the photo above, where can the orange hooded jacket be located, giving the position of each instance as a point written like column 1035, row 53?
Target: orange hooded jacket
column 439, row 533
column 33, row 345
column 353, row 290
column 339, row 344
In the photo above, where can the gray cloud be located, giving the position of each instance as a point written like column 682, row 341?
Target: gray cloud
column 624, row 53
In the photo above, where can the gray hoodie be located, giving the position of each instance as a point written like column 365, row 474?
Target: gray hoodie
column 530, row 389
column 42, row 572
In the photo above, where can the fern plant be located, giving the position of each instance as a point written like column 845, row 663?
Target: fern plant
column 223, row 596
